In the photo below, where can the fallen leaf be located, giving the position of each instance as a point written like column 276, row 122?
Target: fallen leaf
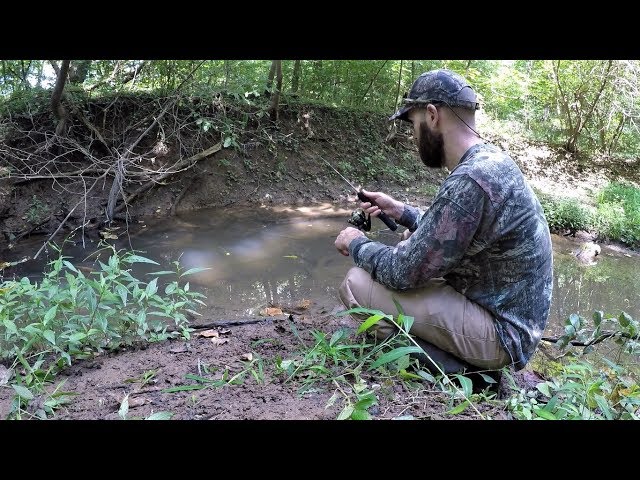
column 247, row 356
column 304, row 304
column 5, row 374
column 219, row 341
column 209, row 333
column 289, row 256
column 224, row 331
column 271, row 311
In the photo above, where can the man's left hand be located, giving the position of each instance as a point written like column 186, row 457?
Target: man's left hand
column 345, row 237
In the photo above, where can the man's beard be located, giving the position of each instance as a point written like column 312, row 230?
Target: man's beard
column 431, row 147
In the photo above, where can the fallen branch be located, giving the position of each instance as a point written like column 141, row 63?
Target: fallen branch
column 57, row 229
column 34, row 227
column 595, row 341
column 84, row 199
column 195, row 158
column 110, row 78
column 223, row 323
column 181, row 195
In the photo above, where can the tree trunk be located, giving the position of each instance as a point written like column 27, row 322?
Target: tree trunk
column 616, row 135
column 24, row 72
column 59, row 112
column 227, row 72
column 295, row 78
column 275, row 99
column 395, row 103
column 594, row 103
column 40, row 74
column 272, row 74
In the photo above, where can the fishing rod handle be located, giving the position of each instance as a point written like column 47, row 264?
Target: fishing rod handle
column 388, row 221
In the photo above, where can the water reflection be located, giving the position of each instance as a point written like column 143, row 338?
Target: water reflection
column 611, row 285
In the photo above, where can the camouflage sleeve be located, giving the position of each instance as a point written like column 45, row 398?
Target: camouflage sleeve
column 410, row 217
column 443, row 235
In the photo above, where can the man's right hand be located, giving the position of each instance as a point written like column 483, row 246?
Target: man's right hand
column 383, row 203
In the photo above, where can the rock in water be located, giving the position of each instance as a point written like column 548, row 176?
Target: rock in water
column 587, row 253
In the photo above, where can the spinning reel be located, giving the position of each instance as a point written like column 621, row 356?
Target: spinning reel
column 360, row 220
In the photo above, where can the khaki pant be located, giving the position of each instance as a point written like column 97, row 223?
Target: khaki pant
column 442, row 316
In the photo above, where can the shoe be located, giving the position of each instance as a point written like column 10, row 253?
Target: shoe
column 450, row 364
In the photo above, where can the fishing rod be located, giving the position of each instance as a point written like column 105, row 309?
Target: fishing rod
column 357, row 217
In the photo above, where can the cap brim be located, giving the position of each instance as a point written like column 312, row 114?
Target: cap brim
column 401, row 114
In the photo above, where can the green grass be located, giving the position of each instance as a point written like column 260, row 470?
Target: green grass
column 618, row 213
column 565, row 214
column 616, row 216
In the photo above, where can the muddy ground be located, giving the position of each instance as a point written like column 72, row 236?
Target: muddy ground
column 256, row 174
column 102, row 384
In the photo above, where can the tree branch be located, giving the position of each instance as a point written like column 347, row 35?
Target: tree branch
column 373, row 80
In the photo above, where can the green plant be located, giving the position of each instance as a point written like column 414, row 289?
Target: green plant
column 35, row 402
column 399, row 352
column 346, row 168
column 230, row 136
column 144, row 379
column 67, row 316
column 37, row 211
column 343, row 363
column 253, row 365
column 582, row 391
column 358, row 408
column 204, row 123
column 429, row 189
column 618, row 213
column 583, row 388
column 327, row 359
column 201, row 383
column 565, row 214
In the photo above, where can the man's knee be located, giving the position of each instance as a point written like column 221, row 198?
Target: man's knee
column 354, row 283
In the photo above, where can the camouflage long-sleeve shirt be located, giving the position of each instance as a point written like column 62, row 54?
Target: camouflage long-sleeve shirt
column 486, row 234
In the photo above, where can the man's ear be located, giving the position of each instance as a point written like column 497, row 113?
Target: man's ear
column 432, row 113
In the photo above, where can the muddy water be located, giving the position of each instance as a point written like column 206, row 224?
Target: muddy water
column 256, row 256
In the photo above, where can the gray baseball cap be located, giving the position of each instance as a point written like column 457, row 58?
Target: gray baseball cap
column 438, row 86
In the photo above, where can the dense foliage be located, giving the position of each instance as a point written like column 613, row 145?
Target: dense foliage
column 585, row 105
